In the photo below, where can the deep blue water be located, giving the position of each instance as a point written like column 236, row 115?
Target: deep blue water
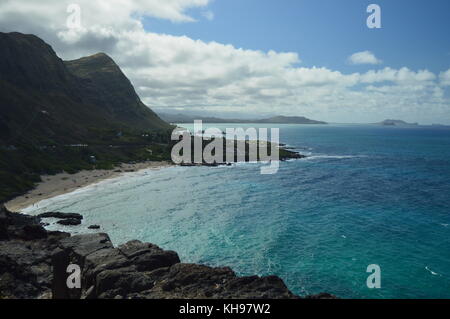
column 366, row 195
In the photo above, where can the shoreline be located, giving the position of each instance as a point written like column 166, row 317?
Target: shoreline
column 63, row 183
column 35, row 263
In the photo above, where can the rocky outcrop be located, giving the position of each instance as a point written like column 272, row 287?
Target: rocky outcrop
column 67, row 219
column 60, row 215
column 143, row 270
column 34, row 264
column 25, row 256
column 69, row 222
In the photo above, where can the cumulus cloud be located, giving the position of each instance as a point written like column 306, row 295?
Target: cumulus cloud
column 445, row 78
column 363, row 57
column 209, row 15
column 183, row 73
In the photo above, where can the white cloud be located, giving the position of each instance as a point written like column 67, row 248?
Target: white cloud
column 403, row 75
column 209, row 15
column 179, row 72
column 445, row 78
column 363, row 57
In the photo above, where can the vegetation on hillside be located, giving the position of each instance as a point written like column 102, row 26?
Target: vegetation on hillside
column 66, row 116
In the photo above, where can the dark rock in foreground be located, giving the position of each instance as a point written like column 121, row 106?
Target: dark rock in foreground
column 25, row 256
column 33, row 264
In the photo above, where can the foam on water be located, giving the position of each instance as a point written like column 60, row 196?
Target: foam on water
column 313, row 157
column 376, row 196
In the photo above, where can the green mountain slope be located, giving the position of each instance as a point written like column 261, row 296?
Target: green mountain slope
column 108, row 87
column 47, row 106
column 45, row 100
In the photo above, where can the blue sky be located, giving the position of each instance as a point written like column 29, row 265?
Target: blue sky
column 249, row 58
column 325, row 32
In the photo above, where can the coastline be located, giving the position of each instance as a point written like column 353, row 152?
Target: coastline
column 63, row 183
column 35, row 263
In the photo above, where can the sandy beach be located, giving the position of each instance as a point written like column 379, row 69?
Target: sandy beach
column 54, row 185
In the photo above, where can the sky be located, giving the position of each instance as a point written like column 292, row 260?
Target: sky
column 230, row 58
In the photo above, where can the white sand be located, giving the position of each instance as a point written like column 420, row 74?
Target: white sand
column 54, row 185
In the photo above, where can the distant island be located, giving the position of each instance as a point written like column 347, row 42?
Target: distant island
column 182, row 118
column 401, row 123
column 396, row 123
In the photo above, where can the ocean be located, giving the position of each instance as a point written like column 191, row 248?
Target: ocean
column 365, row 195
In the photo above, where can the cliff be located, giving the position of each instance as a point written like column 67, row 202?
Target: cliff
column 64, row 102
column 33, row 264
column 56, row 116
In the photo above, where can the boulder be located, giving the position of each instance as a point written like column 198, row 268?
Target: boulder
column 111, row 283
column 16, row 225
column 69, row 222
column 104, row 260
column 25, row 256
column 86, row 244
column 61, row 215
column 75, row 250
column 31, row 232
column 153, row 259
column 194, row 281
column 147, row 257
column 34, row 263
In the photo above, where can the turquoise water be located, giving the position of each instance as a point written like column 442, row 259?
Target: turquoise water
column 366, row 195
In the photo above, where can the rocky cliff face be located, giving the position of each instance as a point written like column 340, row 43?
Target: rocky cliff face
column 46, row 100
column 48, row 106
column 28, row 62
column 107, row 86
column 33, row 264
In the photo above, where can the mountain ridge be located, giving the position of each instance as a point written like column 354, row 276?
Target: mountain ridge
column 47, row 106
column 33, row 78
column 181, row 118
column 113, row 90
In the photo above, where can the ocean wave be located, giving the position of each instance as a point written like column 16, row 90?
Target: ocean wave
column 313, row 157
column 432, row 272
column 304, row 153
column 127, row 177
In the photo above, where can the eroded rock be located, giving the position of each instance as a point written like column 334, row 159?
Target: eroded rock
column 61, row 215
column 34, row 263
column 69, row 222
